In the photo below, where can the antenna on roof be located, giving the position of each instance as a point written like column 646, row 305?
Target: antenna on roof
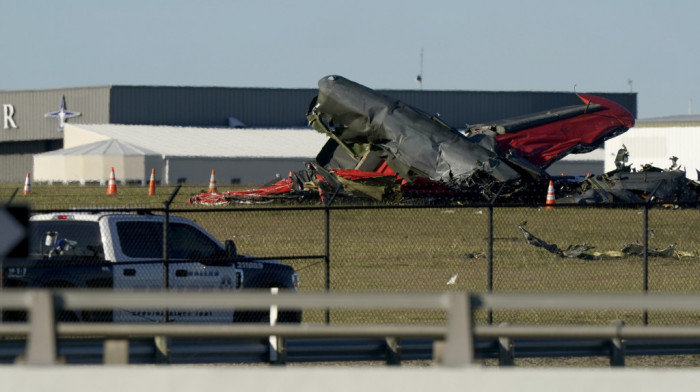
column 419, row 78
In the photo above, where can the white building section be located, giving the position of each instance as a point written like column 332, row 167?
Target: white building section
column 656, row 141
column 179, row 154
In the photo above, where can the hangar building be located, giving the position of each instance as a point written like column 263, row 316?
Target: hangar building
column 31, row 119
column 178, row 154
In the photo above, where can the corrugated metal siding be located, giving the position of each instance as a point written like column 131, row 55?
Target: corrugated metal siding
column 212, row 106
column 31, row 105
column 209, row 106
column 16, row 158
column 13, row 168
column 36, row 133
column 459, row 108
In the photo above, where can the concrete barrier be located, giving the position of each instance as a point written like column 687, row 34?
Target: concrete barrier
column 339, row 379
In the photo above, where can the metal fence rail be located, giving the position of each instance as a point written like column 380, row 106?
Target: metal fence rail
column 458, row 342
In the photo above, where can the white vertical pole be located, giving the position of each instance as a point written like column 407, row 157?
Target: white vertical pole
column 273, row 321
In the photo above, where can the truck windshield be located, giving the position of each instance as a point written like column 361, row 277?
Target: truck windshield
column 144, row 240
column 85, row 234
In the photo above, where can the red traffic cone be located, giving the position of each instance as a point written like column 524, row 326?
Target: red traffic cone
column 27, row 186
column 152, row 183
column 212, row 183
column 112, row 184
column 551, row 201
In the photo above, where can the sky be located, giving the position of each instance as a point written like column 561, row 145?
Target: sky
column 648, row 47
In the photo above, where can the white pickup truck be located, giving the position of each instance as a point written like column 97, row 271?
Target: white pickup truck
column 124, row 251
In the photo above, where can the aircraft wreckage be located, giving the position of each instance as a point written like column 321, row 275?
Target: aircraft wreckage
column 382, row 149
column 582, row 251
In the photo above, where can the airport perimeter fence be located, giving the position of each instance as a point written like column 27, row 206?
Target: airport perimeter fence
column 636, row 248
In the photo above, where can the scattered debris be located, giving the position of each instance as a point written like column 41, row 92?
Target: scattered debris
column 638, row 250
column 573, row 251
column 452, row 279
column 581, row 251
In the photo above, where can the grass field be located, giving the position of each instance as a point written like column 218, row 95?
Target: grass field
column 420, row 249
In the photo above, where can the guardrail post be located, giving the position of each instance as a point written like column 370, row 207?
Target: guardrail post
column 506, row 352
column 277, row 343
column 41, row 342
column 617, row 346
column 459, row 342
column 162, row 346
column 116, row 352
column 393, row 351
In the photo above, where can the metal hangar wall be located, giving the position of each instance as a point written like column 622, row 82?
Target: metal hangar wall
column 26, row 130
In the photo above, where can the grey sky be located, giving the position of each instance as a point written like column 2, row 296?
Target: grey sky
column 593, row 45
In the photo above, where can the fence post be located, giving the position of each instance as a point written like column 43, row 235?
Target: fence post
column 163, row 342
column 490, row 260
column 490, row 249
column 645, row 236
column 12, row 197
column 166, row 255
column 41, row 342
column 327, row 256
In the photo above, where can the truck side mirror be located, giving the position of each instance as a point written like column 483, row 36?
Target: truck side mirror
column 231, row 251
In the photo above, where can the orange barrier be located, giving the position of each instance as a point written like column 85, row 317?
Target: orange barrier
column 551, row 201
column 27, row 186
column 152, row 183
column 112, row 184
column 212, row 183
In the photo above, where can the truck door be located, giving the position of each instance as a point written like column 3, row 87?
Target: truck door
column 187, row 243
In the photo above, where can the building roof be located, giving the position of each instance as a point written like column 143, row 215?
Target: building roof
column 212, row 142
column 110, row 147
column 683, row 120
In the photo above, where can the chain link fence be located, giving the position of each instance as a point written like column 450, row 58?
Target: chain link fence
column 408, row 248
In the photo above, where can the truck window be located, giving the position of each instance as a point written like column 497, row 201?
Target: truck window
column 85, row 234
column 141, row 239
column 144, row 240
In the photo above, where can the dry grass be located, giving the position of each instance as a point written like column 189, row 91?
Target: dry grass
column 403, row 249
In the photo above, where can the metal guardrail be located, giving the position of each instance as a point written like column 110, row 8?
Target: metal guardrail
column 457, row 343
column 42, row 331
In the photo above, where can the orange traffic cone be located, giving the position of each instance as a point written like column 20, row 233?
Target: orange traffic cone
column 212, row 183
column 112, row 184
column 152, row 183
column 27, row 186
column 551, row 201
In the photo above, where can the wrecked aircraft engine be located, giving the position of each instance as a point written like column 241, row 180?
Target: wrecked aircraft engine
column 380, row 148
